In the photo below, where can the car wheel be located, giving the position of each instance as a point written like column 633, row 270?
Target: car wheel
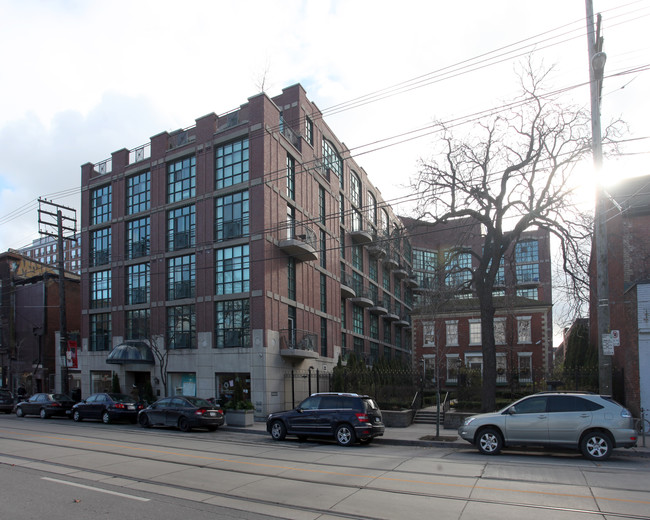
column 489, row 442
column 345, row 435
column 278, row 430
column 76, row 416
column 43, row 413
column 184, row 425
column 143, row 420
column 596, row 446
column 106, row 418
column 19, row 412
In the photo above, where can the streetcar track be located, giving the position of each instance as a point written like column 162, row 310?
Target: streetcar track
column 136, row 450
column 331, row 512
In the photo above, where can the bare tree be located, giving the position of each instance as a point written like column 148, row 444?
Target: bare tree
column 512, row 174
column 162, row 356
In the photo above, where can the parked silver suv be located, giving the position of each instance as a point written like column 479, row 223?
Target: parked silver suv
column 594, row 424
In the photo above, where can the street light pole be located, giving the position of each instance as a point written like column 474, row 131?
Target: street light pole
column 596, row 72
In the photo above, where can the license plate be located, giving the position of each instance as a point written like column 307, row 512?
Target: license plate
column 131, row 407
column 212, row 414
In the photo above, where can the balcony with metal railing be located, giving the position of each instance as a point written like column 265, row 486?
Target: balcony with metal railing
column 361, row 232
column 298, row 344
column 379, row 245
column 301, row 243
column 363, row 296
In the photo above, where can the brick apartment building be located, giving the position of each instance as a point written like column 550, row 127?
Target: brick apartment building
column 44, row 250
column 248, row 247
column 628, row 275
column 446, row 317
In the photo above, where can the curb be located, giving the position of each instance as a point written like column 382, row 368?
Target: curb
column 631, row 452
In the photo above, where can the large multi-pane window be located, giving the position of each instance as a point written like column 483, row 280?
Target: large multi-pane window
column 357, row 222
column 527, row 251
column 524, row 329
column 500, row 331
column 100, row 289
column 232, row 269
column 374, row 326
column 291, row 177
column 138, row 234
column 181, row 277
column 342, row 208
column 372, row 208
column 323, row 249
column 100, row 205
column 137, row 324
column 137, row 284
column 458, row 268
column 232, row 324
column 181, row 228
column 232, row 163
column 181, row 327
column 527, row 273
column 355, row 189
column 373, row 270
column 357, row 257
column 453, row 365
column 342, row 241
column 531, row 293
column 138, row 193
column 291, row 278
column 323, row 292
column 232, row 216
column 527, row 260
column 309, row 131
column 384, row 221
column 100, row 246
column 100, row 332
column 321, row 205
column 525, row 367
column 333, row 160
column 323, row 336
column 357, row 319
column 474, row 332
column 181, row 179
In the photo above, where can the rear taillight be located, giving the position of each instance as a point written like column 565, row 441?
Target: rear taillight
column 200, row 411
column 362, row 417
column 55, row 404
column 119, row 406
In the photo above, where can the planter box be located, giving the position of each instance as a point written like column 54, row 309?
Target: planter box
column 240, row 417
column 397, row 418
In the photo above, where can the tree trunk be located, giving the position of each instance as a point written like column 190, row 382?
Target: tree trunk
column 489, row 381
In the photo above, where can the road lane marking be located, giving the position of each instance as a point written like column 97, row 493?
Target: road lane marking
column 107, row 491
column 158, row 451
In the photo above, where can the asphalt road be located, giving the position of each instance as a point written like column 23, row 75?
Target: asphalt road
column 59, row 469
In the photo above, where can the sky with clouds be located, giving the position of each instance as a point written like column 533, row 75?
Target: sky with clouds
column 83, row 78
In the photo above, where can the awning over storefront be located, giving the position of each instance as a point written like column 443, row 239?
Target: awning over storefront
column 131, row 352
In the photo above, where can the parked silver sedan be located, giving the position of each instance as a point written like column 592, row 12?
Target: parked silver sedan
column 594, row 424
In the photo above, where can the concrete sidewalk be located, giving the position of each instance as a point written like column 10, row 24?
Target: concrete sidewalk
column 424, row 435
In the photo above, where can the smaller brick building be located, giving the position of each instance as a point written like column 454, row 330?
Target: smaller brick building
column 628, row 273
column 446, row 318
column 29, row 322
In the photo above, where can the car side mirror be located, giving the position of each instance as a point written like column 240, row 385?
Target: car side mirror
column 299, row 410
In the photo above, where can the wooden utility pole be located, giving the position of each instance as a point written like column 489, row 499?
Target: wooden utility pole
column 63, row 223
column 596, row 72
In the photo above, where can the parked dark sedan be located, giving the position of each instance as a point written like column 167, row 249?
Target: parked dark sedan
column 107, row 407
column 6, row 401
column 182, row 412
column 46, row 405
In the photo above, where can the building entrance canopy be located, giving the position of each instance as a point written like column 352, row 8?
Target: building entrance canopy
column 131, row 352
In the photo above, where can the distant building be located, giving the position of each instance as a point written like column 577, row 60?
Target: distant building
column 44, row 250
column 248, row 247
column 30, row 351
column 446, row 316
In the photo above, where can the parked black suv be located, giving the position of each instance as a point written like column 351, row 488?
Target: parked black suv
column 346, row 417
